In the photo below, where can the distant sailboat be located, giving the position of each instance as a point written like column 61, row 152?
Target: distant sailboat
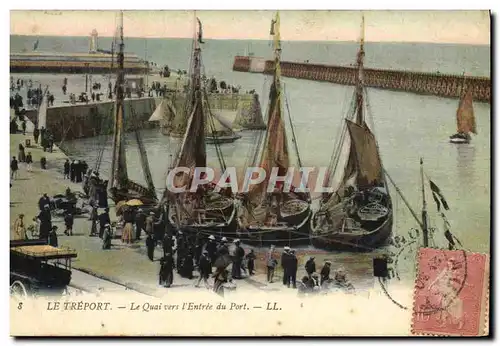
column 466, row 121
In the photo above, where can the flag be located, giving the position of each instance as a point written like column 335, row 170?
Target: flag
column 271, row 32
column 438, row 197
column 200, row 32
column 35, row 46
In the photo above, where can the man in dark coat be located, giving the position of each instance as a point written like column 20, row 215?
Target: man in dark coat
column 78, row 172
column 181, row 250
column 106, row 237
column 93, row 218
column 211, row 248
column 72, row 171
column 166, row 270
column 42, row 135
column 103, row 221
column 186, row 270
column 167, row 244
column 43, row 162
column 14, row 167
column 140, row 223
column 251, row 262
column 53, row 237
column 85, row 167
column 198, row 247
column 159, row 230
column 239, row 254
column 223, row 249
column 285, row 264
column 29, row 161
column 204, row 268
column 45, row 222
column 325, row 272
column 36, row 134
column 50, row 142
column 150, row 246
column 43, row 201
column 292, row 272
column 23, row 126
column 68, row 222
column 310, row 266
column 66, row 169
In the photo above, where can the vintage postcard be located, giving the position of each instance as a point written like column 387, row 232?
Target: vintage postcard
column 250, row 173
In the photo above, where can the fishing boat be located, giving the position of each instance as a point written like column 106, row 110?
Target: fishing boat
column 121, row 188
column 278, row 217
column 205, row 211
column 466, row 121
column 357, row 215
column 173, row 123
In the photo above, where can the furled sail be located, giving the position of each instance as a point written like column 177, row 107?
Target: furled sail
column 120, row 186
column 119, row 175
column 369, row 167
column 192, row 152
column 466, row 122
column 275, row 151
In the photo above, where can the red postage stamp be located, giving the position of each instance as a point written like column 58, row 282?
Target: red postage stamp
column 451, row 293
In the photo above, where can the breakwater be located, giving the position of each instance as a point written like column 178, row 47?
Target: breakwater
column 50, row 62
column 414, row 82
column 69, row 122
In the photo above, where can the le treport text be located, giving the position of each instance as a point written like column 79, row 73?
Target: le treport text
column 146, row 307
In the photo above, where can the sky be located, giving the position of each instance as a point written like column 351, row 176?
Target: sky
column 465, row 27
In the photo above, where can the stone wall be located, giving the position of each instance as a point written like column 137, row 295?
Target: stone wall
column 94, row 119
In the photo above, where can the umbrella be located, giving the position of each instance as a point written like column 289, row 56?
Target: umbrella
column 119, row 206
column 134, row 202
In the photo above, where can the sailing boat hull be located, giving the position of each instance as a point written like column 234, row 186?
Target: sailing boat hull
column 222, row 139
column 263, row 236
column 133, row 191
column 460, row 138
column 364, row 241
column 221, row 229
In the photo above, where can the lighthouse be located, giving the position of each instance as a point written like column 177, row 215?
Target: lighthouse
column 93, row 42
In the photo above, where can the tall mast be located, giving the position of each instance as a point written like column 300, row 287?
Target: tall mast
column 360, row 81
column 275, row 92
column 425, row 229
column 119, row 174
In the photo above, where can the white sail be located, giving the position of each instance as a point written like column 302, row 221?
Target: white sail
column 159, row 112
column 42, row 113
column 225, row 117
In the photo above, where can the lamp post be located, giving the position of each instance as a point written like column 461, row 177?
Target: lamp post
column 86, row 76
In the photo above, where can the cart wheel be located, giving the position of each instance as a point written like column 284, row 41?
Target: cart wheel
column 18, row 290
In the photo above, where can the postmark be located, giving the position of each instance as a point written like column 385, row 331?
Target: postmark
column 451, row 293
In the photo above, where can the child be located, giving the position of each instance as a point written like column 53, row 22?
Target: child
column 68, row 221
column 33, row 228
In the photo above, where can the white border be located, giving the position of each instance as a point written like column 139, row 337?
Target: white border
column 190, row 4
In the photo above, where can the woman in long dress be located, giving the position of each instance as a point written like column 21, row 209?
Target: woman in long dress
column 128, row 228
column 20, row 228
column 21, row 157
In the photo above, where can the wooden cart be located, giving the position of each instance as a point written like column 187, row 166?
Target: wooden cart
column 37, row 268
